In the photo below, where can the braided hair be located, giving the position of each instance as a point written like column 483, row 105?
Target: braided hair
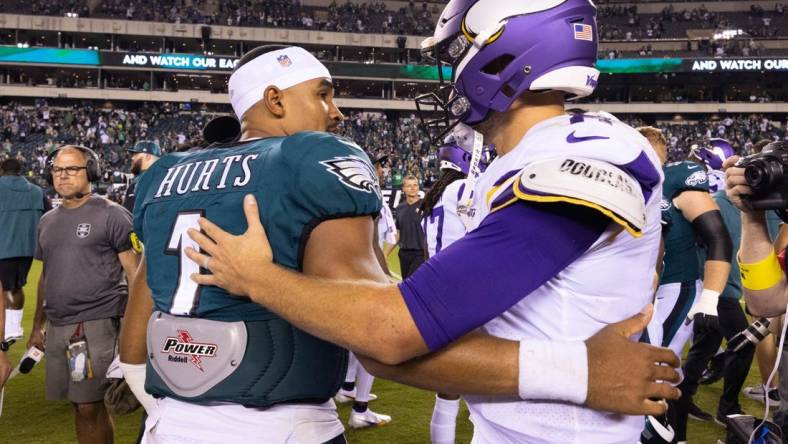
column 434, row 194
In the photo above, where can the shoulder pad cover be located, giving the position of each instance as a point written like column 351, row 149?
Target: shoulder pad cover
column 587, row 182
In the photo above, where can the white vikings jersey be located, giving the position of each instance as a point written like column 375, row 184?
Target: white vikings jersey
column 716, row 181
column 444, row 226
column 609, row 283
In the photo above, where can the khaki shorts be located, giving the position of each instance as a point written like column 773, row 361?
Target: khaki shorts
column 102, row 339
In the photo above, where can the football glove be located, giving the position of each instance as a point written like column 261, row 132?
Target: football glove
column 703, row 312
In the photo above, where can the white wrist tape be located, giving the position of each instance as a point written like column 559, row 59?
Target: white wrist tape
column 283, row 69
column 709, row 297
column 707, row 302
column 135, row 378
column 553, row 370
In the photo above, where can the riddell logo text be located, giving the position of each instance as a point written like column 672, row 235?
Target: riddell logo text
column 184, row 345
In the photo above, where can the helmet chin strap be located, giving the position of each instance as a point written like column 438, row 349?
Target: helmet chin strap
column 463, row 135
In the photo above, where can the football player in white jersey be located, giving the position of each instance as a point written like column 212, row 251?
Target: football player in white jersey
column 442, row 227
column 442, row 223
column 386, row 225
column 564, row 242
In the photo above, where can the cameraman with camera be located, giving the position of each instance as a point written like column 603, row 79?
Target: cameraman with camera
column 756, row 184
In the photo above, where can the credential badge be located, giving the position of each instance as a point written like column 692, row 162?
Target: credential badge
column 83, row 230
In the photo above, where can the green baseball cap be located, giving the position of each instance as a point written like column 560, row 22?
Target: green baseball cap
column 146, row 146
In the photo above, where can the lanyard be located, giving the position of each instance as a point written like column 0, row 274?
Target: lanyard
column 465, row 203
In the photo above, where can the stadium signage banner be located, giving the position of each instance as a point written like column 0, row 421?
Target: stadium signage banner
column 196, row 62
column 724, row 65
column 174, row 61
column 14, row 54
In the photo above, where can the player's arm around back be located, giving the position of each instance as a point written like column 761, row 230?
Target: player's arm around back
column 476, row 364
column 372, row 319
column 345, row 249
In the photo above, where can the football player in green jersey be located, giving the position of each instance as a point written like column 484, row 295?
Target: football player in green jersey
column 223, row 366
column 228, row 367
column 685, row 302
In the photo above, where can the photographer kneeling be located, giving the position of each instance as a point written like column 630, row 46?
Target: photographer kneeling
column 757, row 184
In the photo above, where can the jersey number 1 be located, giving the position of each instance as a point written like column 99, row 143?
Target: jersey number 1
column 184, row 299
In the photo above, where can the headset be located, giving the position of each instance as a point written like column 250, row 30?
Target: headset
column 92, row 168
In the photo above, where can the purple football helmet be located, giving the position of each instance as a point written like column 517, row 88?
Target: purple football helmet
column 454, row 157
column 714, row 153
column 500, row 49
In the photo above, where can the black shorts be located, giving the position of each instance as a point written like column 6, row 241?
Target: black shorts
column 13, row 272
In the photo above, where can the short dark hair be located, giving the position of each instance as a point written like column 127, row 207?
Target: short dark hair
column 11, row 166
column 257, row 52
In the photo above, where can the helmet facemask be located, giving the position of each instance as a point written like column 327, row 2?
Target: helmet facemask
column 499, row 50
column 440, row 111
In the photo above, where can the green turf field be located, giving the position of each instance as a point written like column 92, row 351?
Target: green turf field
column 29, row 419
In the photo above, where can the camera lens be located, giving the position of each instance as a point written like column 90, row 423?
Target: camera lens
column 761, row 174
column 754, row 176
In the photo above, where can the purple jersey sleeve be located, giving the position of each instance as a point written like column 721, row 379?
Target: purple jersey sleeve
column 514, row 251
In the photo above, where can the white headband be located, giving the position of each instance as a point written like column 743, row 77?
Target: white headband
column 283, row 69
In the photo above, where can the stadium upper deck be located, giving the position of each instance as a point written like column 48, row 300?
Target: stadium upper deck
column 690, row 52
column 622, row 20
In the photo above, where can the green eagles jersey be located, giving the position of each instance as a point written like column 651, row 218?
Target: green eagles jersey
column 299, row 181
column 681, row 248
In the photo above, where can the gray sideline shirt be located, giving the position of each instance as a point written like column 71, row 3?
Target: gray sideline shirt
column 83, row 278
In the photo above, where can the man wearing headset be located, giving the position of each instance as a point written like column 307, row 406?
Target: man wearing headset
column 86, row 247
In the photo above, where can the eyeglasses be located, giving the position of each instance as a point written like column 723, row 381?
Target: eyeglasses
column 70, row 171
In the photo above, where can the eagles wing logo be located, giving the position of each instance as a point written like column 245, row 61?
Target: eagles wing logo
column 354, row 173
column 696, row 178
column 83, row 230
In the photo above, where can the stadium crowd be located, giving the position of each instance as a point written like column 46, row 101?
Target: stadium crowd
column 620, row 22
column 626, row 23
column 29, row 133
